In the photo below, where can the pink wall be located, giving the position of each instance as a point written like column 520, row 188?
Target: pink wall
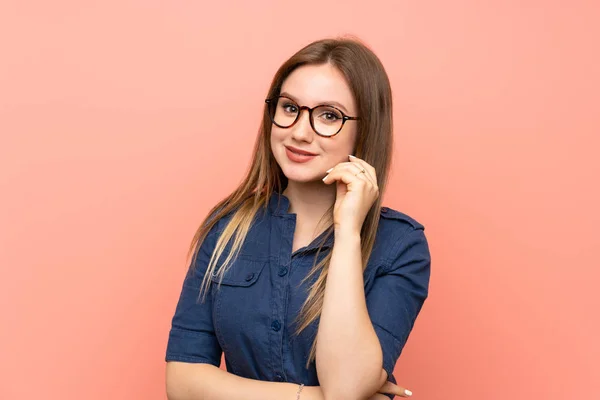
column 116, row 139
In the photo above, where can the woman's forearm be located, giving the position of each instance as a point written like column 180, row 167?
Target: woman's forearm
column 349, row 356
column 187, row 381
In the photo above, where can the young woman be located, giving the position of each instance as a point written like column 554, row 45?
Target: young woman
column 306, row 283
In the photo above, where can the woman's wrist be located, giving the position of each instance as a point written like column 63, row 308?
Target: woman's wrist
column 312, row 393
column 344, row 232
column 300, row 387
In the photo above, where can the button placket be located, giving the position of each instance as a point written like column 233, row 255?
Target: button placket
column 276, row 325
column 281, row 243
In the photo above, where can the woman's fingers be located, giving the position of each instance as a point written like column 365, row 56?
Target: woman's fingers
column 347, row 176
column 346, row 172
column 354, row 181
column 368, row 167
column 392, row 388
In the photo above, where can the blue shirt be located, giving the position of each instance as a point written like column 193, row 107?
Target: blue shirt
column 250, row 318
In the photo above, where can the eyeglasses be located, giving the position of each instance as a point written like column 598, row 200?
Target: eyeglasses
column 325, row 120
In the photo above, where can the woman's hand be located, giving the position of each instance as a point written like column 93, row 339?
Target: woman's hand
column 389, row 388
column 357, row 190
column 315, row 392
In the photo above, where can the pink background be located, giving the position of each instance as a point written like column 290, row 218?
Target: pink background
column 123, row 122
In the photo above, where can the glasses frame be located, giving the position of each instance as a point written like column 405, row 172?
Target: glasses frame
column 271, row 100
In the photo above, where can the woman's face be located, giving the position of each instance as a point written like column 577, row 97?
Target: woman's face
column 312, row 85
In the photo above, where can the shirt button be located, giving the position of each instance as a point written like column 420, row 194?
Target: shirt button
column 250, row 277
column 276, row 326
column 283, row 271
column 279, row 378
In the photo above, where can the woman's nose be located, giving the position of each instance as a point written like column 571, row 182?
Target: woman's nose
column 302, row 130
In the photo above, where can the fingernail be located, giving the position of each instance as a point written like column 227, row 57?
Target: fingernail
column 351, row 156
column 329, row 170
column 407, row 392
column 325, row 177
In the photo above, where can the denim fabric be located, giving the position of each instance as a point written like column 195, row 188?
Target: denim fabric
column 251, row 317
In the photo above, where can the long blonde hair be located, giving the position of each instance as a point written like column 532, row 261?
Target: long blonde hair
column 370, row 86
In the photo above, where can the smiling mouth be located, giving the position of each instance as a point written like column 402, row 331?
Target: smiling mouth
column 300, row 152
column 296, row 157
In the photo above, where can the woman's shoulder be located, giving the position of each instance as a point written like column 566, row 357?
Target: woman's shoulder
column 394, row 219
column 397, row 232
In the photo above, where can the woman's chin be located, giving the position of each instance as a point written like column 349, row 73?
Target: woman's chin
column 305, row 177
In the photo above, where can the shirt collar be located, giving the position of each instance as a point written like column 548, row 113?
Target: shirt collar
column 279, row 204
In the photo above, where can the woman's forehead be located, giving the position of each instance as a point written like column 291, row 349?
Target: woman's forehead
column 317, row 84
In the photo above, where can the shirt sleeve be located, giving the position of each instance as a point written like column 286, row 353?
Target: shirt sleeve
column 398, row 293
column 192, row 336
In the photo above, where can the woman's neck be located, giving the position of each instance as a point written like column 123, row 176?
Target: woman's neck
column 309, row 201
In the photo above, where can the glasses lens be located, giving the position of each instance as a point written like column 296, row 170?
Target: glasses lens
column 284, row 112
column 327, row 120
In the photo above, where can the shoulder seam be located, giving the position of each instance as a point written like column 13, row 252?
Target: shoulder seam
column 398, row 244
column 386, row 212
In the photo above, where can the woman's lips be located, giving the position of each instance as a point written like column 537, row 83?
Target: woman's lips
column 297, row 157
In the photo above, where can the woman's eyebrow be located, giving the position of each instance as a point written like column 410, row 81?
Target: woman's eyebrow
column 330, row 103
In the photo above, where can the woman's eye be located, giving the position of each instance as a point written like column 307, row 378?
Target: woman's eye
column 329, row 116
column 290, row 108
